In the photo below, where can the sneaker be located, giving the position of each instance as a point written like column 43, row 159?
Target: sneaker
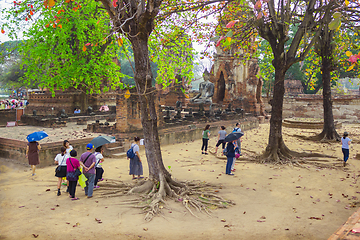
column 202, row 152
column 59, row 193
column 33, row 174
column 101, row 180
column 96, row 186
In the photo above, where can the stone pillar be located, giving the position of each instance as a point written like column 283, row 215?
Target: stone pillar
column 128, row 112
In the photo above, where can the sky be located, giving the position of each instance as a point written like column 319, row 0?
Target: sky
column 3, row 4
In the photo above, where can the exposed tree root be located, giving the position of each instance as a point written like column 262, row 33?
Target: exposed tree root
column 322, row 137
column 283, row 156
column 195, row 196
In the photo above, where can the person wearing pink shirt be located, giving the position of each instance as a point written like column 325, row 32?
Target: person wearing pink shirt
column 72, row 164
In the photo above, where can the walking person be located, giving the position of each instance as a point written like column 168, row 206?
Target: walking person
column 87, row 161
column 345, row 142
column 230, row 154
column 205, row 138
column 72, row 164
column 32, row 153
column 221, row 137
column 136, row 167
column 99, row 171
column 60, row 159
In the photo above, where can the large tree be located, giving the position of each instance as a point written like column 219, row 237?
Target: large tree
column 328, row 50
column 271, row 20
column 135, row 21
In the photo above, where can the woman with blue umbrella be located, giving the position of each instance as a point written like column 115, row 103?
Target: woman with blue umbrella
column 230, row 149
column 33, row 148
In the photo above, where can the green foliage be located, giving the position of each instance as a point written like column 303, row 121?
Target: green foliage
column 70, row 45
column 11, row 76
column 267, row 70
column 8, row 49
column 171, row 49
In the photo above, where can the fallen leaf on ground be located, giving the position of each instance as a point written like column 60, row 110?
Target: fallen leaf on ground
column 35, row 235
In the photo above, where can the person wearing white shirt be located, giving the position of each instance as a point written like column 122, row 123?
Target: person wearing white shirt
column 98, row 165
column 345, row 142
column 68, row 147
column 60, row 160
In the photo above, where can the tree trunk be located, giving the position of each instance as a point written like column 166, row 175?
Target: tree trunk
column 329, row 131
column 147, row 98
column 276, row 149
column 84, row 100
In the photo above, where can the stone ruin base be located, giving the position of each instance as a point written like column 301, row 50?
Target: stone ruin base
column 292, row 123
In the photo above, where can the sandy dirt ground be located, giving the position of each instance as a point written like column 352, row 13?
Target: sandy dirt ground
column 272, row 202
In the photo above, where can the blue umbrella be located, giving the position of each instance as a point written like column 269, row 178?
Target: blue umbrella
column 36, row 136
column 233, row 136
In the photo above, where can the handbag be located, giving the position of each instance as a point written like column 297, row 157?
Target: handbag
column 58, row 168
column 77, row 171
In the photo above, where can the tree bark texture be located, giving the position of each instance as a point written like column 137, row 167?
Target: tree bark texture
column 276, row 148
column 326, row 52
column 147, row 98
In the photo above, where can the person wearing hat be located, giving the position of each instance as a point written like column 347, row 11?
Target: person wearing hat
column 87, row 161
column 345, row 142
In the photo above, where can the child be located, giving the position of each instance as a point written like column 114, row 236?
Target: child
column 345, row 141
column 98, row 165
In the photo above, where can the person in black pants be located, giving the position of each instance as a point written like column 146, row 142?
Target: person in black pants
column 72, row 164
column 205, row 138
column 98, row 165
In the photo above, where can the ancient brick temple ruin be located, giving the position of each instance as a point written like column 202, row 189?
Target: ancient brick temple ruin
column 128, row 112
column 293, row 87
column 236, row 82
column 46, row 104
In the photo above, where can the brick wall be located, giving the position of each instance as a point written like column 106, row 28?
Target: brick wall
column 311, row 106
column 7, row 115
column 69, row 99
column 16, row 150
column 128, row 112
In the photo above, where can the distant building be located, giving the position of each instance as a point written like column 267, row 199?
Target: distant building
column 293, row 87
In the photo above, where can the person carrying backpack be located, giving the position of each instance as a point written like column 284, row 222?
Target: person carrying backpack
column 135, row 161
